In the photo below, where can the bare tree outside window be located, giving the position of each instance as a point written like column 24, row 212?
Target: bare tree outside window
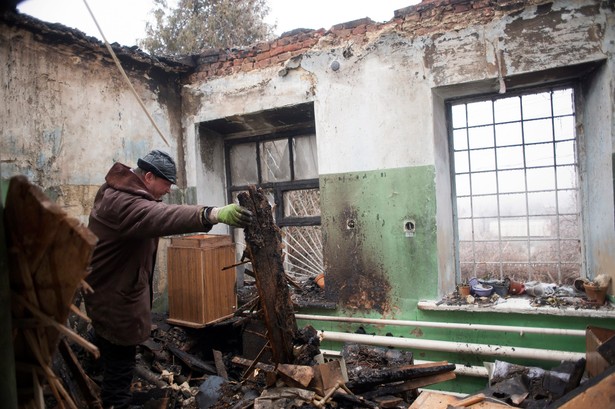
column 193, row 26
column 516, row 187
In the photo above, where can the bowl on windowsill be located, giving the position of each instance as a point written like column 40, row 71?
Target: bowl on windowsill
column 482, row 290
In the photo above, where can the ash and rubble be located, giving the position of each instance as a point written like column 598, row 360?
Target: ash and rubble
column 534, row 293
column 177, row 368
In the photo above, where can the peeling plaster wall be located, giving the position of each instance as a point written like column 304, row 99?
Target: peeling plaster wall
column 379, row 98
column 69, row 116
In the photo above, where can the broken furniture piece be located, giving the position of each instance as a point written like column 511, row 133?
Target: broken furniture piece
column 49, row 254
column 599, row 349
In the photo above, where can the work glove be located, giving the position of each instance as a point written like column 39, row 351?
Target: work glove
column 233, row 215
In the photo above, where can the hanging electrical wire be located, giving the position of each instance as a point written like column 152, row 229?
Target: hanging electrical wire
column 119, row 66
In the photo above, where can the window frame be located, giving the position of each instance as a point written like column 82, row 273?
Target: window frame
column 278, row 188
column 579, row 149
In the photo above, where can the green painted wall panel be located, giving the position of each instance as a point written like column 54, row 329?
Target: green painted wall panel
column 372, row 265
column 374, row 270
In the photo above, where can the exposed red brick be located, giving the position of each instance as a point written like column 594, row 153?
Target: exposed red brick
column 412, row 17
column 263, row 56
column 460, row 8
column 479, row 4
column 309, row 42
column 263, row 47
column 283, row 57
column 359, row 30
column 276, row 51
column 282, row 41
column 342, row 33
column 293, row 47
column 263, row 63
column 425, row 18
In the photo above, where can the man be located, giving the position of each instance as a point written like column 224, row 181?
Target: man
column 128, row 217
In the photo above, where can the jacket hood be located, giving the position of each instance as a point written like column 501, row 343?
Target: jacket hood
column 121, row 177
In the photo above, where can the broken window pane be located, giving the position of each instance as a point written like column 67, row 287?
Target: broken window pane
column 275, row 161
column 302, row 203
column 306, row 164
column 243, row 164
column 303, row 251
column 297, row 193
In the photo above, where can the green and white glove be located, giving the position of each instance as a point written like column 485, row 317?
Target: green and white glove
column 233, row 215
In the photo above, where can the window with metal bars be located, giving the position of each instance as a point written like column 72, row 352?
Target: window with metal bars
column 515, row 188
column 285, row 166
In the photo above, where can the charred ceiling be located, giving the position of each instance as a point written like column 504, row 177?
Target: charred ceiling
column 88, row 47
column 264, row 122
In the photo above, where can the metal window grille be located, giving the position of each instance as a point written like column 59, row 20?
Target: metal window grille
column 284, row 166
column 516, row 190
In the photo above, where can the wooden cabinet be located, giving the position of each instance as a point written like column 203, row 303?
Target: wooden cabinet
column 200, row 291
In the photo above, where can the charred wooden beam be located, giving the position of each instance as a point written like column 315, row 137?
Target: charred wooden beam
column 247, row 363
column 408, row 385
column 264, row 245
column 369, row 379
column 356, row 401
column 192, row 361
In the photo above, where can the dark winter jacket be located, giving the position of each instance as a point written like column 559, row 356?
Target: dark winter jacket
column 128, row 222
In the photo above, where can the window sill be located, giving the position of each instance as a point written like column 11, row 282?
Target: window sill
column 521, row 305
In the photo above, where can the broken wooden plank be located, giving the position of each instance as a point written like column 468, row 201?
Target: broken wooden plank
column 370, row 379
column 438, row 400
column 597, row 392
column 150, row 376
column 295, row 375
column 607, row 350
column 264, row 246
column 247, row 363
column 327, row 375
column 220, row 367
column 388, row 401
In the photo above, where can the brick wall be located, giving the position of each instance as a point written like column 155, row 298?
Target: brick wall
column 427, row 17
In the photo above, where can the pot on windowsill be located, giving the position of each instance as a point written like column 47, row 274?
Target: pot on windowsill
column 595, row 293
column 463, row 290
column 320, row 280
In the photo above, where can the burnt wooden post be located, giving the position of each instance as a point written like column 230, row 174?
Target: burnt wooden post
column 264, row 247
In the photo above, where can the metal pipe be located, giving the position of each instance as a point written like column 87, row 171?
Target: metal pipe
column 483, row 327
column 455, row 347
column 464, row 370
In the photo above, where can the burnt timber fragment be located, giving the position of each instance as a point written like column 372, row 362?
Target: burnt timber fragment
column 370, row 379
column 264, row 246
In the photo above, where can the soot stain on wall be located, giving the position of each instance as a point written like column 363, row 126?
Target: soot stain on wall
column 354, row 279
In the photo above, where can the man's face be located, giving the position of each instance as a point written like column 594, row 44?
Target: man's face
column 157, row 186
